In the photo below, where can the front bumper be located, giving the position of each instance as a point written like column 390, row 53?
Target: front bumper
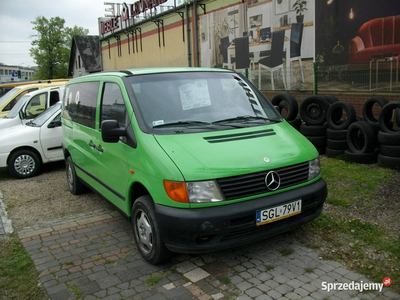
column 3, row 160
column 199, row 230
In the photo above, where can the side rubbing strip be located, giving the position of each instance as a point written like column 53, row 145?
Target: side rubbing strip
column 101, row 182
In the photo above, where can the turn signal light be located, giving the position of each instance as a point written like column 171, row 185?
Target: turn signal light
column 176, row 191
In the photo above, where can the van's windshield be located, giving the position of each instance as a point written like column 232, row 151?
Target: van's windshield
column 206, row 100
column 17, row 107
column 8, row 95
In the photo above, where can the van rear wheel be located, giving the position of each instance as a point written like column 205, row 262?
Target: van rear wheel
column 75, row 186
column 147, row 233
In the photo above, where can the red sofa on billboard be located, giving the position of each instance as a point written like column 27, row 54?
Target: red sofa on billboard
column 376, row 38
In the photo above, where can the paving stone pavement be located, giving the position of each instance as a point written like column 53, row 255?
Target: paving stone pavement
column 92, row 256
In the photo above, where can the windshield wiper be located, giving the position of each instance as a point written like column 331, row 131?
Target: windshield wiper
column 245, row 118
column 182, row 123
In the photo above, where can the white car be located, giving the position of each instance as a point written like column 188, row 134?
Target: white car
column 24, row 148
column 31, row 105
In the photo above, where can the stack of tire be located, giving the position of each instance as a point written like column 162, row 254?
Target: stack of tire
column 362, row 136
column 313, row 111
column 389, row 136
column 339, row 117
column 287, row 106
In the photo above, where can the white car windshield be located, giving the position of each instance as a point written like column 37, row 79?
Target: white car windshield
column 44, row 116
column 17, row 107
column 9, row 93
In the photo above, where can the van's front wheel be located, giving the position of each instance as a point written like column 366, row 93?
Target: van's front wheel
column 146, row 232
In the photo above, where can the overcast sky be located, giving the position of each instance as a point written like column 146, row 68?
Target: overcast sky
column 16, row 27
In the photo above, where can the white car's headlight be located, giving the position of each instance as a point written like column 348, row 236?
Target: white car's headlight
column 314, row 168
column 204, row 191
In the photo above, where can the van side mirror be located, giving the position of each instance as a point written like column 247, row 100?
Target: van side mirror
column 54, row 124
column 110, row 131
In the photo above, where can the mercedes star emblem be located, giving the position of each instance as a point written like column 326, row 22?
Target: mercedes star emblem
column 272, row 181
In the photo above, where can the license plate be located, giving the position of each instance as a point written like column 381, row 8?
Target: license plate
column 278, row 213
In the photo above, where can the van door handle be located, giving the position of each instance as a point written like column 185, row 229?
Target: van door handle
column 98, row 148
column 92, row 145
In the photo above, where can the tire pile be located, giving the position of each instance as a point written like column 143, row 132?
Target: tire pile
column 313, row 111
column 334, row 129
column 389, row 136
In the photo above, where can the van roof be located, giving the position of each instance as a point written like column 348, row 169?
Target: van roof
column 146, row 71
column 19, row 83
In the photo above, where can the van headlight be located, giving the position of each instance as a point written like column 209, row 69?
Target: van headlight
column 314, row 168
column 204, row 191
column 193, row 192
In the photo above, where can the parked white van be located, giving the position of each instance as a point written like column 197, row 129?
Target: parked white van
column 31, row 105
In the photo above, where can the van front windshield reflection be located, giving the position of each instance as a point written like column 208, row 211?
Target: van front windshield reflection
column 199, row 100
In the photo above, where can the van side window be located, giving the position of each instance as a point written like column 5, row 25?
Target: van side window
column 81, row 102
column 36, row 106
column 112, row 104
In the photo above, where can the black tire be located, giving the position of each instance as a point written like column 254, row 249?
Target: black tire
column 390, row 150
column 24, row 163
column 336, row 134
column 385, row 117
column 317, row 141
column 361, row 137
column 146, row 232
column 74, row 183
column 361, row 158
column 337, row 109
column 367, row 108
column 389, row 162
column 296, row 123
column 337, row 144
column 313, row 110
column 313, row 130
column 392, row 138
column 331, row 99
column 398, row 117
column 333, row 153
column 291, row 106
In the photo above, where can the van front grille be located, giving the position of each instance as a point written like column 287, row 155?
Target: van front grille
column 241, row 186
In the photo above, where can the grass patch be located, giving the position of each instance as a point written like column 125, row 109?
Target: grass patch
column 68, row 263
column 270, row 268
column 153, row 280
column 309, row 270
column 286, row 252
column 18, row 276
column 338, row 202
column 76, row 291
column 358, row 226
column 225, row 280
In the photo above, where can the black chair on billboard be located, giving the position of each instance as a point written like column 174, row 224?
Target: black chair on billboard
column 274, row 62
column 296, row 36
column 223, row 49
column 265, row 33
column 251, row 54
column 242, row 54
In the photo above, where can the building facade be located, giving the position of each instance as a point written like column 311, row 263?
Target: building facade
column 15, row 73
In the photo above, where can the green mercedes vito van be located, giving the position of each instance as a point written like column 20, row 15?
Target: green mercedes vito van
column 198, row 159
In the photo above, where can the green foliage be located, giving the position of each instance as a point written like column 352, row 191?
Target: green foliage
column 51, row 48
column 300, row 6
column 17, row 272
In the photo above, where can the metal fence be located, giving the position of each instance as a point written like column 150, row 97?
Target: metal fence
column 376, row 76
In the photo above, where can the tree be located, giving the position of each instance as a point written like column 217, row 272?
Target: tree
column 51, row 48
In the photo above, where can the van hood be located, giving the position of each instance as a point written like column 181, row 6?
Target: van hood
column 202, row 156
column 6, row 123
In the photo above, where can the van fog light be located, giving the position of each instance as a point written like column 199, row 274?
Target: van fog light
column 314, row 168
column 203, row 192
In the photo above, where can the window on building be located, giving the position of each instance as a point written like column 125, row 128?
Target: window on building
column 79, row 61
